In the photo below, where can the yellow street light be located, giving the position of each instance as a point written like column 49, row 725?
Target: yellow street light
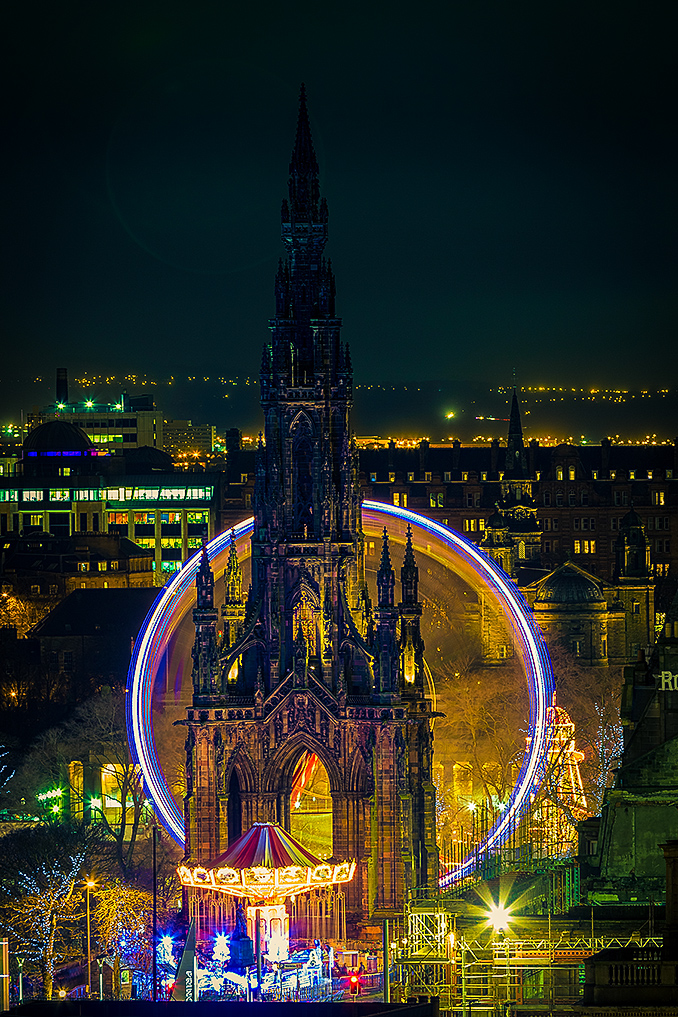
column 499, row 917
column 89, row 885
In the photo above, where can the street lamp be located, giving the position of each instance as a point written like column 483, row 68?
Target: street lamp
column 89, row 885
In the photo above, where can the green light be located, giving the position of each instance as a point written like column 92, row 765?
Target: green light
column 95, row 803
column 89, row 404
column 60, row 406
column 56, row 792
column 448, row 416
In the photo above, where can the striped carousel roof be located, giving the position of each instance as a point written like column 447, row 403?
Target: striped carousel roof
column 266, row 845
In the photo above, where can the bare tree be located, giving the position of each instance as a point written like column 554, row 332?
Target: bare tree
column 41, row 902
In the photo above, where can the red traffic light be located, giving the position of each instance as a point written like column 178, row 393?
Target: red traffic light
column 354, row 985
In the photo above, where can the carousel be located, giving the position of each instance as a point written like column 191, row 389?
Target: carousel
column 266, row 866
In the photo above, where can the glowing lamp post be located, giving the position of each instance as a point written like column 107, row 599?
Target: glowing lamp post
column 89, row 885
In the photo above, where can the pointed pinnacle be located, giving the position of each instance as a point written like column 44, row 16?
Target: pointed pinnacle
column 409, row 559
column 385, row 563
column 303, row 156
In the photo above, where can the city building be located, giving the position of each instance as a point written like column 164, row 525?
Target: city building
column 312, row 682
column 185, row 441
column 640, row 809
column 64, row 485
column 568, row 505
column 131, row 422
column 86, row 641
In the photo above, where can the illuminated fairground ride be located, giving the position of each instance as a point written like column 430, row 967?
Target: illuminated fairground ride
column 446, row 546
column 266, row 866
column 562, row 802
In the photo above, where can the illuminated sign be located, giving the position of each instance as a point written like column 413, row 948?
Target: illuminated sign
column 667, row 681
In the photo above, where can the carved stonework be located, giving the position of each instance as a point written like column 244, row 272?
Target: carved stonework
column 311, row 665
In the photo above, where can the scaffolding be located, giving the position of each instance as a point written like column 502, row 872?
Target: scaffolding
column 492, row 971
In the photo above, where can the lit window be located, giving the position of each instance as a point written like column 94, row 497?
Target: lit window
column 483, row 476
column 632, row 474
column 36, row 520
column 83, row 566
column 658, row 497
column 114, row 566
column 32, row 495
column 145, row 518
column 613, row 474
column 243, row 478
column 559, row 473
column 433, row 501
column 594, row 474
column 396, row 498
column 571, row 473
column 118, row 518
column 427, row 478
column 577, row 547
column 102, row 566
column 391, row 478
column 410, row 478
column 404, row 501
column 440, row 499
column 373, row 478
column 464, row 476
column 59, row 494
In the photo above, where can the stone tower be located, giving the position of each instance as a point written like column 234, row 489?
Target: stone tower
column 312, row 669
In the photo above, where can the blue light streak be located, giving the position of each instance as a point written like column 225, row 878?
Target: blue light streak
column 180, row 592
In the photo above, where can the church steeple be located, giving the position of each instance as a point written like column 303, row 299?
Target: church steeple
column 516, row 458
column 385, row 575
column 206, row 663
column 304, row 187
column 233, row 608
column 409, row 573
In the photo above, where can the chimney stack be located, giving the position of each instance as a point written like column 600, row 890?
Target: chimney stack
column 62, row 385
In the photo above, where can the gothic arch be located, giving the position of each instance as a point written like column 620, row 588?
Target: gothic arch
column 360, row 780
column 241, row 761
column 277, row 777
column 300, row 424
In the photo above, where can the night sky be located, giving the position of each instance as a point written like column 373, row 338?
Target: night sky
column 501, row 178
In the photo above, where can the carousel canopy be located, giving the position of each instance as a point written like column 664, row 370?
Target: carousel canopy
column 266, row 862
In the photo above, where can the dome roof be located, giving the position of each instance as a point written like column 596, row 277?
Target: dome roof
column 57, row 436
column 148, row 458
column 630, row 519
column 569, row 585
column 497, row 521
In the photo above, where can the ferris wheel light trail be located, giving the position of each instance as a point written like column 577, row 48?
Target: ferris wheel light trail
column 470, row 561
